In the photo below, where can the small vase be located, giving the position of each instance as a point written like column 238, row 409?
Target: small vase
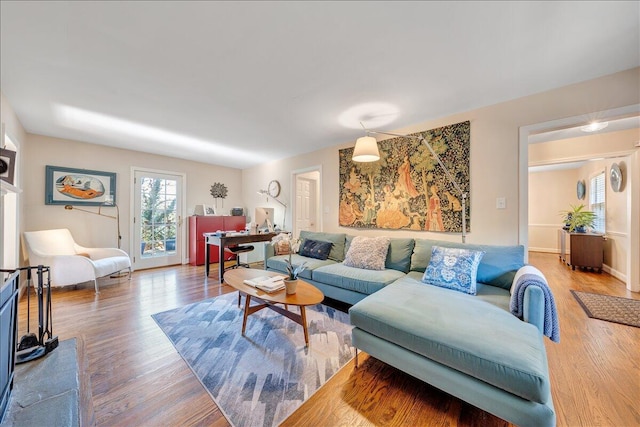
column 290, row 286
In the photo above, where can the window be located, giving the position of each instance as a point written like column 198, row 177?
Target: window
column 597, row 201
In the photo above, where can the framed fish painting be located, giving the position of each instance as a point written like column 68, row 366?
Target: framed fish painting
column 70, row 186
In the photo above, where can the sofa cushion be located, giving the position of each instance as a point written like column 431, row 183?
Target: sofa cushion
column 347, row 243
column 453, row 268
column 278, row 263
column 110, row 265
column 399, row 255
column 492, row 294
column 497, row 267
column 282, row 247
column 315, row 249
column 355, row 279
column 461, row 332
column 338, row 240
column 369, row 253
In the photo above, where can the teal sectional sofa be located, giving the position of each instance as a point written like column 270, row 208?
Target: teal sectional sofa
column 470, row 346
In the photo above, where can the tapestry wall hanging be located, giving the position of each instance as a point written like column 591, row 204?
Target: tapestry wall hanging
column 406, row 188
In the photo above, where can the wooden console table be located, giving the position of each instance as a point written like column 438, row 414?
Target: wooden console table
column 581, row 249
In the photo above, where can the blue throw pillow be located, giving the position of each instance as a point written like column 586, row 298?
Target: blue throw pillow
column 315, row 249
column 453, row 268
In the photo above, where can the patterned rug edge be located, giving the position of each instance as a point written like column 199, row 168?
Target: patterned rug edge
column 591, row 315
column 173, row 344
column 222, row 411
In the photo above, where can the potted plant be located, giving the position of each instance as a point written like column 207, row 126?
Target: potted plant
column 291, row 282
column 293, row 271
column 577, row 219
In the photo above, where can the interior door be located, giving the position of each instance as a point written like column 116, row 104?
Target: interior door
column 305, row 204
column 157, row 219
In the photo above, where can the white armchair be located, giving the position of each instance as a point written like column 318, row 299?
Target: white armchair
column 71, row 263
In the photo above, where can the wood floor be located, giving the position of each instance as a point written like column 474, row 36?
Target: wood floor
column 138, row 379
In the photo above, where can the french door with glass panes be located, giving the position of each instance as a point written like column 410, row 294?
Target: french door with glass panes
column 157, row 219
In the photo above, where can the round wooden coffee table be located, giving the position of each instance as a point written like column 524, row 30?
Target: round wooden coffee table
column 306, row 294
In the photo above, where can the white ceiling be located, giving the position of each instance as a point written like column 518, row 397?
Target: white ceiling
column 616, row 125
column 241, row 83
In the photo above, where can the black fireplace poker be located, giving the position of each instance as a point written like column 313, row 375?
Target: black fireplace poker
column 33, row 347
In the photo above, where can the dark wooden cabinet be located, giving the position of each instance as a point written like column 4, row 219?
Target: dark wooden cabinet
column 581, row 249
column 210, row 224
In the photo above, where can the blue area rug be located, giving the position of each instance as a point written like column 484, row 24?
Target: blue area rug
column 261, row 378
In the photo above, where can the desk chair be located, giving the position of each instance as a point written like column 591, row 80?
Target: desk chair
column 237, row 250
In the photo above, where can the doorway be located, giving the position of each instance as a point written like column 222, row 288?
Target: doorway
column 157, row 218
column 306, row 210
column 562, row 129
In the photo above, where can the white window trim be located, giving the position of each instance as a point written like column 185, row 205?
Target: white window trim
column 592, row 177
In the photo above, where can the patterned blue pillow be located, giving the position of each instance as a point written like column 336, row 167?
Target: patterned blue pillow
column 453, row 268
column 316, row 249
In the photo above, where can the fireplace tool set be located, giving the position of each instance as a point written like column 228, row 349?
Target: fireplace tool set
column 32, row 346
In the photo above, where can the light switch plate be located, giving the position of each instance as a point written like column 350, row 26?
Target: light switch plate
column 501, row 203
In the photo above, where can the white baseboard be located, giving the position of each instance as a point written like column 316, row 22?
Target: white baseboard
column 615, row 273
column 545, row 250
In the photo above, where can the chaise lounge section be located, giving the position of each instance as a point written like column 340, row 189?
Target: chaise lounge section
column 470, row 348
column 71, row 263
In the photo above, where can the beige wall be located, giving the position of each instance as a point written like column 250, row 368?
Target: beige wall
column 549, row 193
column 616, row 246
column 609, row 144
column 92, row 230
column 494, row 156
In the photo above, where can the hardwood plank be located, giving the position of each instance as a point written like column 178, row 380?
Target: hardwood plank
column 138, row 378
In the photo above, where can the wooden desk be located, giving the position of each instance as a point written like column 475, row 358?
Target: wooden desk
column 229, row 240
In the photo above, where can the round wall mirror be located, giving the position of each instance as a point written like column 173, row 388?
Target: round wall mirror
column 580, row 189
column 615, row 177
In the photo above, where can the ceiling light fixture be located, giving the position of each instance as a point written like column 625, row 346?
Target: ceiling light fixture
column 364, row 152
column 594, row 126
